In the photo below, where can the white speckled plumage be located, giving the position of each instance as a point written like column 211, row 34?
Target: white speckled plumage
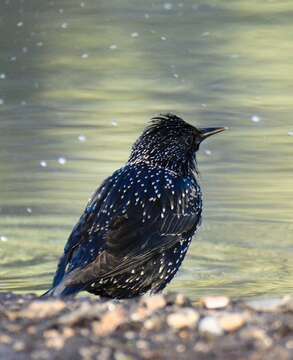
column 136, row 229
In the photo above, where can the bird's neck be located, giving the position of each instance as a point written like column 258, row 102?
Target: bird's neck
column 186, row 167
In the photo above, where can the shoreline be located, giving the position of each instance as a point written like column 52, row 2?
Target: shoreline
column 168, row 326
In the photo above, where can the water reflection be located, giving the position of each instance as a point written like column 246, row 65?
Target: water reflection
column 72, row 70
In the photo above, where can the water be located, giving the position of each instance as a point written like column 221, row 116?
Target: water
column 79, row 80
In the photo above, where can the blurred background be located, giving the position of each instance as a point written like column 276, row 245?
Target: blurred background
column 78, row 82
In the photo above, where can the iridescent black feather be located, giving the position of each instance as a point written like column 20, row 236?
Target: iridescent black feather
column 136, row 229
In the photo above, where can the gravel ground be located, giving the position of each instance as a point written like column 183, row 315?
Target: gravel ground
column 154, row 327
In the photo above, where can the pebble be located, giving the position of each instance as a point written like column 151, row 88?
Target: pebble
column 119, row 355
column 210, row 325
column 19, row 346
column 83, row 312
column 5, row 339
column 290, row 133
column 153, row 324
column 109, row 322
column 154, row 302
column 3, row 238
column 40, row 309
column 43, row 163
column 177, row 299
column 185, row 317
column 232, row 322
column 257, row 334
column 54, row 339
column 267, row 305
column 215, row 302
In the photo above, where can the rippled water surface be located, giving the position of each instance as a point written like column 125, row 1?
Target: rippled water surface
column 79, row 80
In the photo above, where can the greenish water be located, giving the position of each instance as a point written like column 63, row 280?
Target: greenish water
column 79, row 80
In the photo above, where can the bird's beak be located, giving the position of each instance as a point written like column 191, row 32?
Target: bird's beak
column 206, row 132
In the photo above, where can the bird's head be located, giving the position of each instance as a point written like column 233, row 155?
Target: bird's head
column 170, row 142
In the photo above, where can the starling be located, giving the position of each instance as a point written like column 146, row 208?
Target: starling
column 137, row 227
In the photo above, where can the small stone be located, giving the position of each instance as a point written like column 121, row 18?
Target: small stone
column 19, row 346
column 154, row 302
column 32, row 330
column 68, row 332
column 110, row 321
column 185, row 317
column 84, row 56
column 181, row 300
column 177, row 299
column 2, row 76
column 119, row 355
column 215, row 302
column 1, row 101
column 135, row 35
column 153, row 324
column 3, row 238
column 113, row 47
column 267, row 305
column 163, row 38
column 43, row 163
column 257, row 334
column 210, row 326
column 140, row 314
column 84, row 312
column 289, row 344
column 290, row 133
column 5, row 339
column 41, row 309
column 232, row 322
column 54, row 339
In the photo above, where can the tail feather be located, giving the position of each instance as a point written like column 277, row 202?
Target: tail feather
column 61, row 290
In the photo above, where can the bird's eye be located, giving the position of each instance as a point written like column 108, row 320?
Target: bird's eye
column 188, row 140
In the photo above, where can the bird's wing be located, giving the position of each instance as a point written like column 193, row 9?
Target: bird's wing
column 153, row 221
column 80, row 235
column 128, row 246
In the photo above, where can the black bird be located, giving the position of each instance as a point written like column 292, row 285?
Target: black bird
column 137, row 227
